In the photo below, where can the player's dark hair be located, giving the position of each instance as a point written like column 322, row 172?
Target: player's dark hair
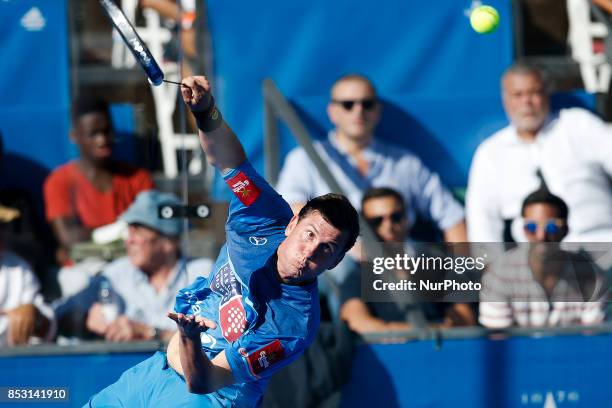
column 381, row 192
column 543, row 196
column 88, row 104
column 338, row 211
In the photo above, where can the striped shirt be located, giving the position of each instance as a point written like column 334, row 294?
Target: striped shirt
column 511, row 296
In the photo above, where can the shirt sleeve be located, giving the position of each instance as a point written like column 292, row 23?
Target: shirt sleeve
column 254, row 205
column 58, row 196
column 595, row 139
column 294, row 182
column 30, row 294
column 495, row 311
column 433, row 199
column 254, row 356
column 484, row 222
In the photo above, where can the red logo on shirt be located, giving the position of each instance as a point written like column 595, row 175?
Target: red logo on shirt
column 244, row 188
column 265, row 357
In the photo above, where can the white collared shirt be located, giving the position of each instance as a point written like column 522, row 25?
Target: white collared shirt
column 389, row 166
column 573, row 151
column 142, row 302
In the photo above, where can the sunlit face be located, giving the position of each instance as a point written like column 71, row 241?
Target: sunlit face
column 387, row 217
column 148, row 249
column 354, row 109
column 93, row 135
column 525, row 101
column 312, row 246
column 548, row 226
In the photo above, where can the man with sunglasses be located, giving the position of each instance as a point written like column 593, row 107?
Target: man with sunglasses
column 571, row 149
column 384, row 210
column 359, row 161
column 541, row 284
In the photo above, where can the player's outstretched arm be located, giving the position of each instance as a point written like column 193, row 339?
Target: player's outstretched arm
column 222, row 147
column 201, row 374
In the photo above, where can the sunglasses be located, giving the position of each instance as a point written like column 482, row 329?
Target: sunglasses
column 348, row 104
column 395, row 218
column 551, row 227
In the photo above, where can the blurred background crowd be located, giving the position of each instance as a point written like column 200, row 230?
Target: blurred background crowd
column 435, row 134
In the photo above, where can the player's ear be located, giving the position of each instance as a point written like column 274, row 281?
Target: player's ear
column 291, row 225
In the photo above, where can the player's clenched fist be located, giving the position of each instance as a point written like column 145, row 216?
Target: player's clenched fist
column 196, row 93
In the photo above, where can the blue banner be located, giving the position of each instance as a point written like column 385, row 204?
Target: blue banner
column 34, row 90
column 439, row 80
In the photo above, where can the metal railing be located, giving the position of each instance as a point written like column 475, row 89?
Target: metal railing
column 277, row 107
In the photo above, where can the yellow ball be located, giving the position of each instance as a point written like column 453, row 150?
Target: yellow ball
column 484, row 19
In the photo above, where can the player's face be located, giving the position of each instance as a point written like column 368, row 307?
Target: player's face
column 312, row 246
column 354, row 109
column 387, row 218
column 92, row 133
column 525, row 101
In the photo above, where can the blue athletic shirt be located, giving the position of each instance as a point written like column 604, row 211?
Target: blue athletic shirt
column 262, row 324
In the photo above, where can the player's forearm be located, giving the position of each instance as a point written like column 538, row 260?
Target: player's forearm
column 222, row 147
column 197, row 368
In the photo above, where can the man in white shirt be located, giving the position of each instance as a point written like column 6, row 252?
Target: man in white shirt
column 571, row 148
column 358, row 162
column 23, row 314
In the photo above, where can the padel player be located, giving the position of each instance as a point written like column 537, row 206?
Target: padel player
column 259, row 308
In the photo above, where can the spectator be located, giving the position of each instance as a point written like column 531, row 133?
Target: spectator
column 540, row 284
column 385, row 211
column 145, row 281
column 359, row 161
column 571, row 148
column 23, row 314
column 94, row 189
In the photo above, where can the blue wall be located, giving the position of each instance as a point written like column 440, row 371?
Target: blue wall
column 34, row 90
column 438, row 78
column 520, row 372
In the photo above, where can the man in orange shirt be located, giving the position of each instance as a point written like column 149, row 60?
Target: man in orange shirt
column 92, row 190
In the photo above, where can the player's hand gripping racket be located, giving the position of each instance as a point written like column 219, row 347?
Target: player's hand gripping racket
column 134, row 43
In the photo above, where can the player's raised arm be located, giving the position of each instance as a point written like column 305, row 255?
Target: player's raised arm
column 222, row 147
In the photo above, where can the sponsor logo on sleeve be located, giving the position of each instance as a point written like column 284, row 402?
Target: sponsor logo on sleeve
column 265, row 357
column 257, row 241
column 243, row 188
column 232, row 316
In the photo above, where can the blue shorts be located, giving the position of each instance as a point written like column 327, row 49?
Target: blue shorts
column 152, row 383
